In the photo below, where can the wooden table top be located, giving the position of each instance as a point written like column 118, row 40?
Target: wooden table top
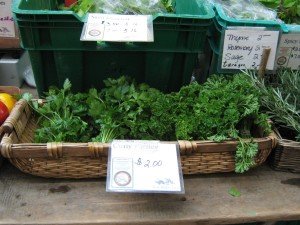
column 266, row 195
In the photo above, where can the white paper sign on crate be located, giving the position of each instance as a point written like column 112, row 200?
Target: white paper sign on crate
column 118, row 28
column 289, row 51
column 243, row 48
column 7, row 26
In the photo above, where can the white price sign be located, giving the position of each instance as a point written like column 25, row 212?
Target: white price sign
column 144, row 166
column 118, row 28
column 243, row 48
column 289, row 51
column 7, row 26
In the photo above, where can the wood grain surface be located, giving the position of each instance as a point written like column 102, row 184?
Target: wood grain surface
column 266, row 195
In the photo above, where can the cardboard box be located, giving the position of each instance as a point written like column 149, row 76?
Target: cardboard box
column 9, row 36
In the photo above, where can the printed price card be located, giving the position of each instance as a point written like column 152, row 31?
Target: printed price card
column 7, row 26
column 144, row 166
column 118, row 28
column 289, row 51
column 243, row 48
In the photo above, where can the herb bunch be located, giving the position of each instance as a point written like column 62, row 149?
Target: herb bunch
column 281, row 100
column 127, row 7
column 63, row 116
column 222, row 108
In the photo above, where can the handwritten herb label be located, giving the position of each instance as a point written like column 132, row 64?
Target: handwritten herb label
column 118, row 28
column 289, row 51
column 243, row 48
column 144, row 166
column 7, row 26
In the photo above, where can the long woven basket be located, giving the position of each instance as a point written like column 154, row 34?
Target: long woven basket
column 12, row 91
column 88, row 160
column 286, row 156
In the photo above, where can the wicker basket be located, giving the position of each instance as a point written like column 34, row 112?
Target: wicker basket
column 286, row 156
column 12, row 91
column 88, row 160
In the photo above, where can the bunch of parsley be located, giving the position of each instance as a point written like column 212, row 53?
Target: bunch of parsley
column 222, row 108
column 131, row 110
column 63, row 116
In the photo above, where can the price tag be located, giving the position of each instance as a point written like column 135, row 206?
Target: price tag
column 144, row 166
column 243, row 48
column 118, row 28
column 289, row 51
column 7, row 26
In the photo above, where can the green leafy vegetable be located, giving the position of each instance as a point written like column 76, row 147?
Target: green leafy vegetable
column 245, row 154
column 220, row 109
column 233, row 191
column 129, row 7
column 287, row 10
column 61, row 116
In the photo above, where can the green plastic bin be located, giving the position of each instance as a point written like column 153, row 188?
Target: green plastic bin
column 221, row 23
column 42, row 27
column 166, row 71
column 52, row 39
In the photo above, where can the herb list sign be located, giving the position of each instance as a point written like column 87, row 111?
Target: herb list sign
column 289, row 51
column 243, row 48
column 7, row 26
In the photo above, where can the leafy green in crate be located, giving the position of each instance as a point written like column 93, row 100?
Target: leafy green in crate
column 128, row 7
column 287, row 10
column 246, row 9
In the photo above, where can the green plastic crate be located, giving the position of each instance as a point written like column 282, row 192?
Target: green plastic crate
column 222, row 22
column 291, row 28
column 42, row 27
column 53, row 40
column 216, row 32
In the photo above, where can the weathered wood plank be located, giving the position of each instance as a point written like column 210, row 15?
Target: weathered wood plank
column 266, row 196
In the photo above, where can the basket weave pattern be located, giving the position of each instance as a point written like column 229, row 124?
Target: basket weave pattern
column 88, row 160
column 286, row 156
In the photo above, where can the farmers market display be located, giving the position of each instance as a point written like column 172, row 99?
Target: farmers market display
column 223, row 108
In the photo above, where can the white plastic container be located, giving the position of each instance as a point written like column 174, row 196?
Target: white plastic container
column 12, row 69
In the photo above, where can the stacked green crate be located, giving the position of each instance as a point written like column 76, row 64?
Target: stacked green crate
column 222, row 22
column 52, row 38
